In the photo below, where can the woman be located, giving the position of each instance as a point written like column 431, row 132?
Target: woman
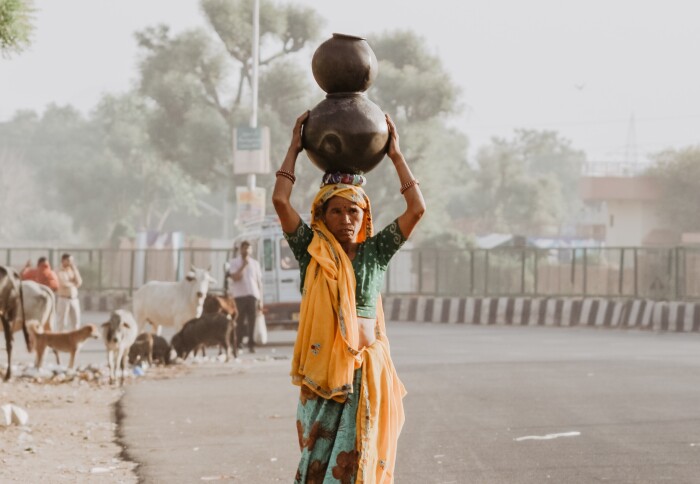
column 350, row 411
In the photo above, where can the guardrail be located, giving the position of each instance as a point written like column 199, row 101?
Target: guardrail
column 671, row 273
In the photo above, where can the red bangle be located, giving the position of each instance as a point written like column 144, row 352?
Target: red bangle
column 289, row 176
column 408, row 185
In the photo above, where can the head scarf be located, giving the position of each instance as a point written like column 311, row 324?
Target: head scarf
column 353, row 193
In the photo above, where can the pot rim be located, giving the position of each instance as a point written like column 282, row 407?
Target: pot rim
column 346, row 94
column 348, row 36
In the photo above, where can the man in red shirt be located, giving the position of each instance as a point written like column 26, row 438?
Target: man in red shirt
column 42, row 273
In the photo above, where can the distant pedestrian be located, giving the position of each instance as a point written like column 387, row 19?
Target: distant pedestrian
column 247, row 289
column 42, row 273
column 68, row 305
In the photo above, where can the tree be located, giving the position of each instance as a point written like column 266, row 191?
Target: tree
column 93, row 174
column 15, row 25
column 678, row 175
column 414, row 88
column 146, row 189
column 526, row 185
column 190, row 77
column 412, row 84
column 26, row 220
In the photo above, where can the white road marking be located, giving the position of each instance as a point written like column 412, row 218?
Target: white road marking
column 548, row 436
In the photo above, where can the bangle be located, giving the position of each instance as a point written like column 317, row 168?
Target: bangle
column 408, row 185
column 288, row 175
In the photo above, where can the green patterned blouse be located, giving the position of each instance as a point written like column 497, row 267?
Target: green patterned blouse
column 370, row 262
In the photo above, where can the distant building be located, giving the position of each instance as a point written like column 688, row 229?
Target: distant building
column 621, row 208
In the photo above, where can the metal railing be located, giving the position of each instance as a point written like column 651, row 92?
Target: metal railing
column 125, row 269
column 655, row 273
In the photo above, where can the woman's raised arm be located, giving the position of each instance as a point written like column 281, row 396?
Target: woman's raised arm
column 285, row 180
column 415, row 205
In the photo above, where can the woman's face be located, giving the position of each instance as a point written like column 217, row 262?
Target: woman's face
column 343, row 218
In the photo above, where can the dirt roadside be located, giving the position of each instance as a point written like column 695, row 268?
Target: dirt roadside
column 71, row 435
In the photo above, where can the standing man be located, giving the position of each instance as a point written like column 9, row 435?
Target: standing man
column 69, row 281
column 246, row 289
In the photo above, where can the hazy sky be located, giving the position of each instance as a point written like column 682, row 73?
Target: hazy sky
column 582, row 68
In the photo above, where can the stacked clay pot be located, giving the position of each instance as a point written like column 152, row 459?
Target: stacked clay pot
column 346, row 132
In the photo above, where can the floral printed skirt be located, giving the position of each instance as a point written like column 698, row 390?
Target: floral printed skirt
column 326, row 431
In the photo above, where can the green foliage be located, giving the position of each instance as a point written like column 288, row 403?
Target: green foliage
column 27, row 219
column 678, row 174
column 414, row 88
column 15, row 25
column 526, row 185
column 149, row 189
column 437, row 156
column 412, row 83
column 140, row 157
column 283, row 29
column 182, row 75
column 90, row 175
column 190, row 77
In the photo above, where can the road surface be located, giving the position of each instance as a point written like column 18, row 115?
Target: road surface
column 486, row 404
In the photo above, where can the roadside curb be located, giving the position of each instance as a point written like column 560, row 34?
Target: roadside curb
column 677, row 316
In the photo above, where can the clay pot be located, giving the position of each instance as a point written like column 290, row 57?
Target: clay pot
column 344, row 63
column 346, row 133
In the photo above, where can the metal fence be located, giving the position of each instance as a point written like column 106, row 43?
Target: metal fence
column 125, row 270
column 654, row 273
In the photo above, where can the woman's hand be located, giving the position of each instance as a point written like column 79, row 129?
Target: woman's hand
column 394, row 150
column 366, row 332
column 296, row 144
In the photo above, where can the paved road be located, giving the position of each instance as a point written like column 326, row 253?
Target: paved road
column 619, row 407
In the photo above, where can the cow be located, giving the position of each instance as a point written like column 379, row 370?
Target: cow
column 11, row 296
column 207, row 330
column 172, row 303
column 39, row 305
column 119, row 334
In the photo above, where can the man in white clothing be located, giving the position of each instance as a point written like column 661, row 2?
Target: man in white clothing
column 246, row 289
column 68, row 304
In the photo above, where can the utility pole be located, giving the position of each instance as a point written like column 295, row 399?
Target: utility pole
column 631, row 146
column 255, row 54
column 254, row 77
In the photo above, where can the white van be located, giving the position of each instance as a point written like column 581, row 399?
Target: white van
column 280, row 269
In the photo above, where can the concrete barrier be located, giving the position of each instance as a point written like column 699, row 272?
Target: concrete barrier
column 675, row 316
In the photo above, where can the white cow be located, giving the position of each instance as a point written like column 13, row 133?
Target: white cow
column 38, row 304
column 33, row 302
column 172, row 303
column 119, row 334
column 10, row 301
